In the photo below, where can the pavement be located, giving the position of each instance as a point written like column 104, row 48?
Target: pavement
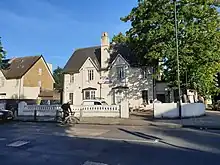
column 210, row 121
column 30, row 143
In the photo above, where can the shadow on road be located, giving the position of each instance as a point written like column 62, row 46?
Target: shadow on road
column 56, row 145
column 155, row 138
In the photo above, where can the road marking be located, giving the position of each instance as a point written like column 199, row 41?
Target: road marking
column 18, row 143
column 93, row 163
column 2, row 139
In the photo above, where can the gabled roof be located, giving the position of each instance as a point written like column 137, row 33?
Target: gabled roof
column 80, row 55
column 17, row 67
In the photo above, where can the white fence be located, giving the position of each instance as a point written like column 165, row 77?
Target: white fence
column 170, row 110
column 80, row 111
column 97, row 111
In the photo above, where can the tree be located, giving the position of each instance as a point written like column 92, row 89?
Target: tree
column 2, row 51
column 152, row 37
column 58, row 77
column 119, row 38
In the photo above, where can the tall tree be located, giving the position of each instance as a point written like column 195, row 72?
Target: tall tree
column 152, row 37
column 2, row 51
column 58, row 77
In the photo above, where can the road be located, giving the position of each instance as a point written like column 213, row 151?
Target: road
column 41, row 143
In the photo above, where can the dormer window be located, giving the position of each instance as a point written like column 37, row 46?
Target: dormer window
column 72, row 78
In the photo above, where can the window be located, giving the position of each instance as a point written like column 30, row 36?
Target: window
column 145, row 72
column 120, row 72
column 71, row 98
column 90, row 75
column 71, row 78
column 89, row 95
column 92, row 94
column 39, row 71
column 39, row 83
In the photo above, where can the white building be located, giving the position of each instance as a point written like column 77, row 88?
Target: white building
column 111, row 74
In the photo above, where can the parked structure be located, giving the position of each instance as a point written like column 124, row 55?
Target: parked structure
column 26, row 78
column 109, row 74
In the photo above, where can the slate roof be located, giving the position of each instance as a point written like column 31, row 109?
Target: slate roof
column 17, row 67
column 80, row 55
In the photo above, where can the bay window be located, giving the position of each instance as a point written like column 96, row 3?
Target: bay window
column 89, row 94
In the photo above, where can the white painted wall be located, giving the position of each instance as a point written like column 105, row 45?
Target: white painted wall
column 170, row 110
column 31, row 92
column 193, row 109
column 133, row 80
column 12, row 87
column 81, row 82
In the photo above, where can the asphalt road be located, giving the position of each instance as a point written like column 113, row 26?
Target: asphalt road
column 35, row 143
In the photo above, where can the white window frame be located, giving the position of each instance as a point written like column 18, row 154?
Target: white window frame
column 90, row 74
column 39, row 71
column 145, row 73
column 71, row 97
column 120, row 72
column 39, row 83
column 72, row 78
column 91, row 94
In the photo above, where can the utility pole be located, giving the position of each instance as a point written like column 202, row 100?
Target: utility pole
column 177, row 59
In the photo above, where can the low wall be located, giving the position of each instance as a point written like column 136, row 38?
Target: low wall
column 97, row 111
column 193, row 109
column 80, row 111
column 170, row 110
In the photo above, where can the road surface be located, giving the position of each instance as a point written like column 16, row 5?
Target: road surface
column 41, row 143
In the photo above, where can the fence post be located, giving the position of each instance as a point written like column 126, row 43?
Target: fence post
column 35, row 115
column 57, row 113
column 124, row 109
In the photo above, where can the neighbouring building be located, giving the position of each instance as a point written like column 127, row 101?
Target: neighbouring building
column 109, row 74
column 26, row 78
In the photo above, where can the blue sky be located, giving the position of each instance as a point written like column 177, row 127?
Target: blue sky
column 55, row 28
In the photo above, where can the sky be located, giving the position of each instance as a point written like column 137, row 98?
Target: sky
column 55, row 28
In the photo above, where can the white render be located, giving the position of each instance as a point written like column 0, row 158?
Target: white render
column 14, row 89
column 170, row 110
column 105, row 80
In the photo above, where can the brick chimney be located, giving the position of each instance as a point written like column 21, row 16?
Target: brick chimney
column 105, row 56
